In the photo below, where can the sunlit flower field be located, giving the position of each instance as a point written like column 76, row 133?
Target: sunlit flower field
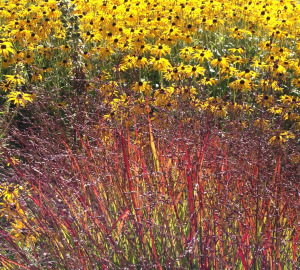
column 149, row 134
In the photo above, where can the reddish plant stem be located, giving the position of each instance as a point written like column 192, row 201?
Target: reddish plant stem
column 137, row 211
column 193, row 223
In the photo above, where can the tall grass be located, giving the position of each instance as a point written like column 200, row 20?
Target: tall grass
column 102, row 197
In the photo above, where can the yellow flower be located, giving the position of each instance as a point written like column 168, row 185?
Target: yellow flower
column 159, row 50
column 182, row 69
column 261, row 123
column 160, row 63
column 127, row 62
column 239, row 33
column 221, row 62
column 194, row 71
column 239, row 50
column 141, row 62
column 15, row 79
column 241, row 84
column 29, row 58
column 36, row 77
column 20, row 98
column 276, row 110
column 295, row 158
column 142, row 87
column 4, row 86
column 290, row 101
column 281, row 138
column 65, row 48
column 247, row 73
column 202, row 55
column 104, row 52
column 186, row 53
column 259, row 64
column 278, row 70
column 163, row 96
column 6, row 48
column 209, row 81
column 10, row 193
column 296, row 82
column 219, row 110
column 264, row 100
column 65, row 63
column 22, row 234
column 10, row 210
column 13, row 161
column 139, row 107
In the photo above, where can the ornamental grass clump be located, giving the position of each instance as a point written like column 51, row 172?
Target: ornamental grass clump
column 149, row 134
column 193, row 194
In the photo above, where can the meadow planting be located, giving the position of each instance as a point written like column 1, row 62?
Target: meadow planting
column 149, row 134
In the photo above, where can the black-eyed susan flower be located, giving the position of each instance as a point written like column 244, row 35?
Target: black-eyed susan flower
column 264, row 100
column 104, row 52
column 36, row 77
column 234, row 59
column 142, row 86
column 22, row 233
column 14, row 79
column 227, row 72
column 276, row 109
column 162, row 96
column 238, row 33
column 7, row 63
column 128, row 62
column 6, row 86
column 195, row 71
column 296, row 82
column 209, row 81
column 10, row 209
column 262, row 124
column 20, row 98
column 160, row 63
column 220, row 62
column 219, row 110
column 139, row 107
column 65, row 48
column 259, row 64
column 29, row 58
column 10, row 193
column 186, row 53
column 6, row 49
column 201, row 55
column 247, row 74
column 241, row 85
column 237, row 50
column 160, row 49
column 281, row 138
column 141, row 62
column 278, row 69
